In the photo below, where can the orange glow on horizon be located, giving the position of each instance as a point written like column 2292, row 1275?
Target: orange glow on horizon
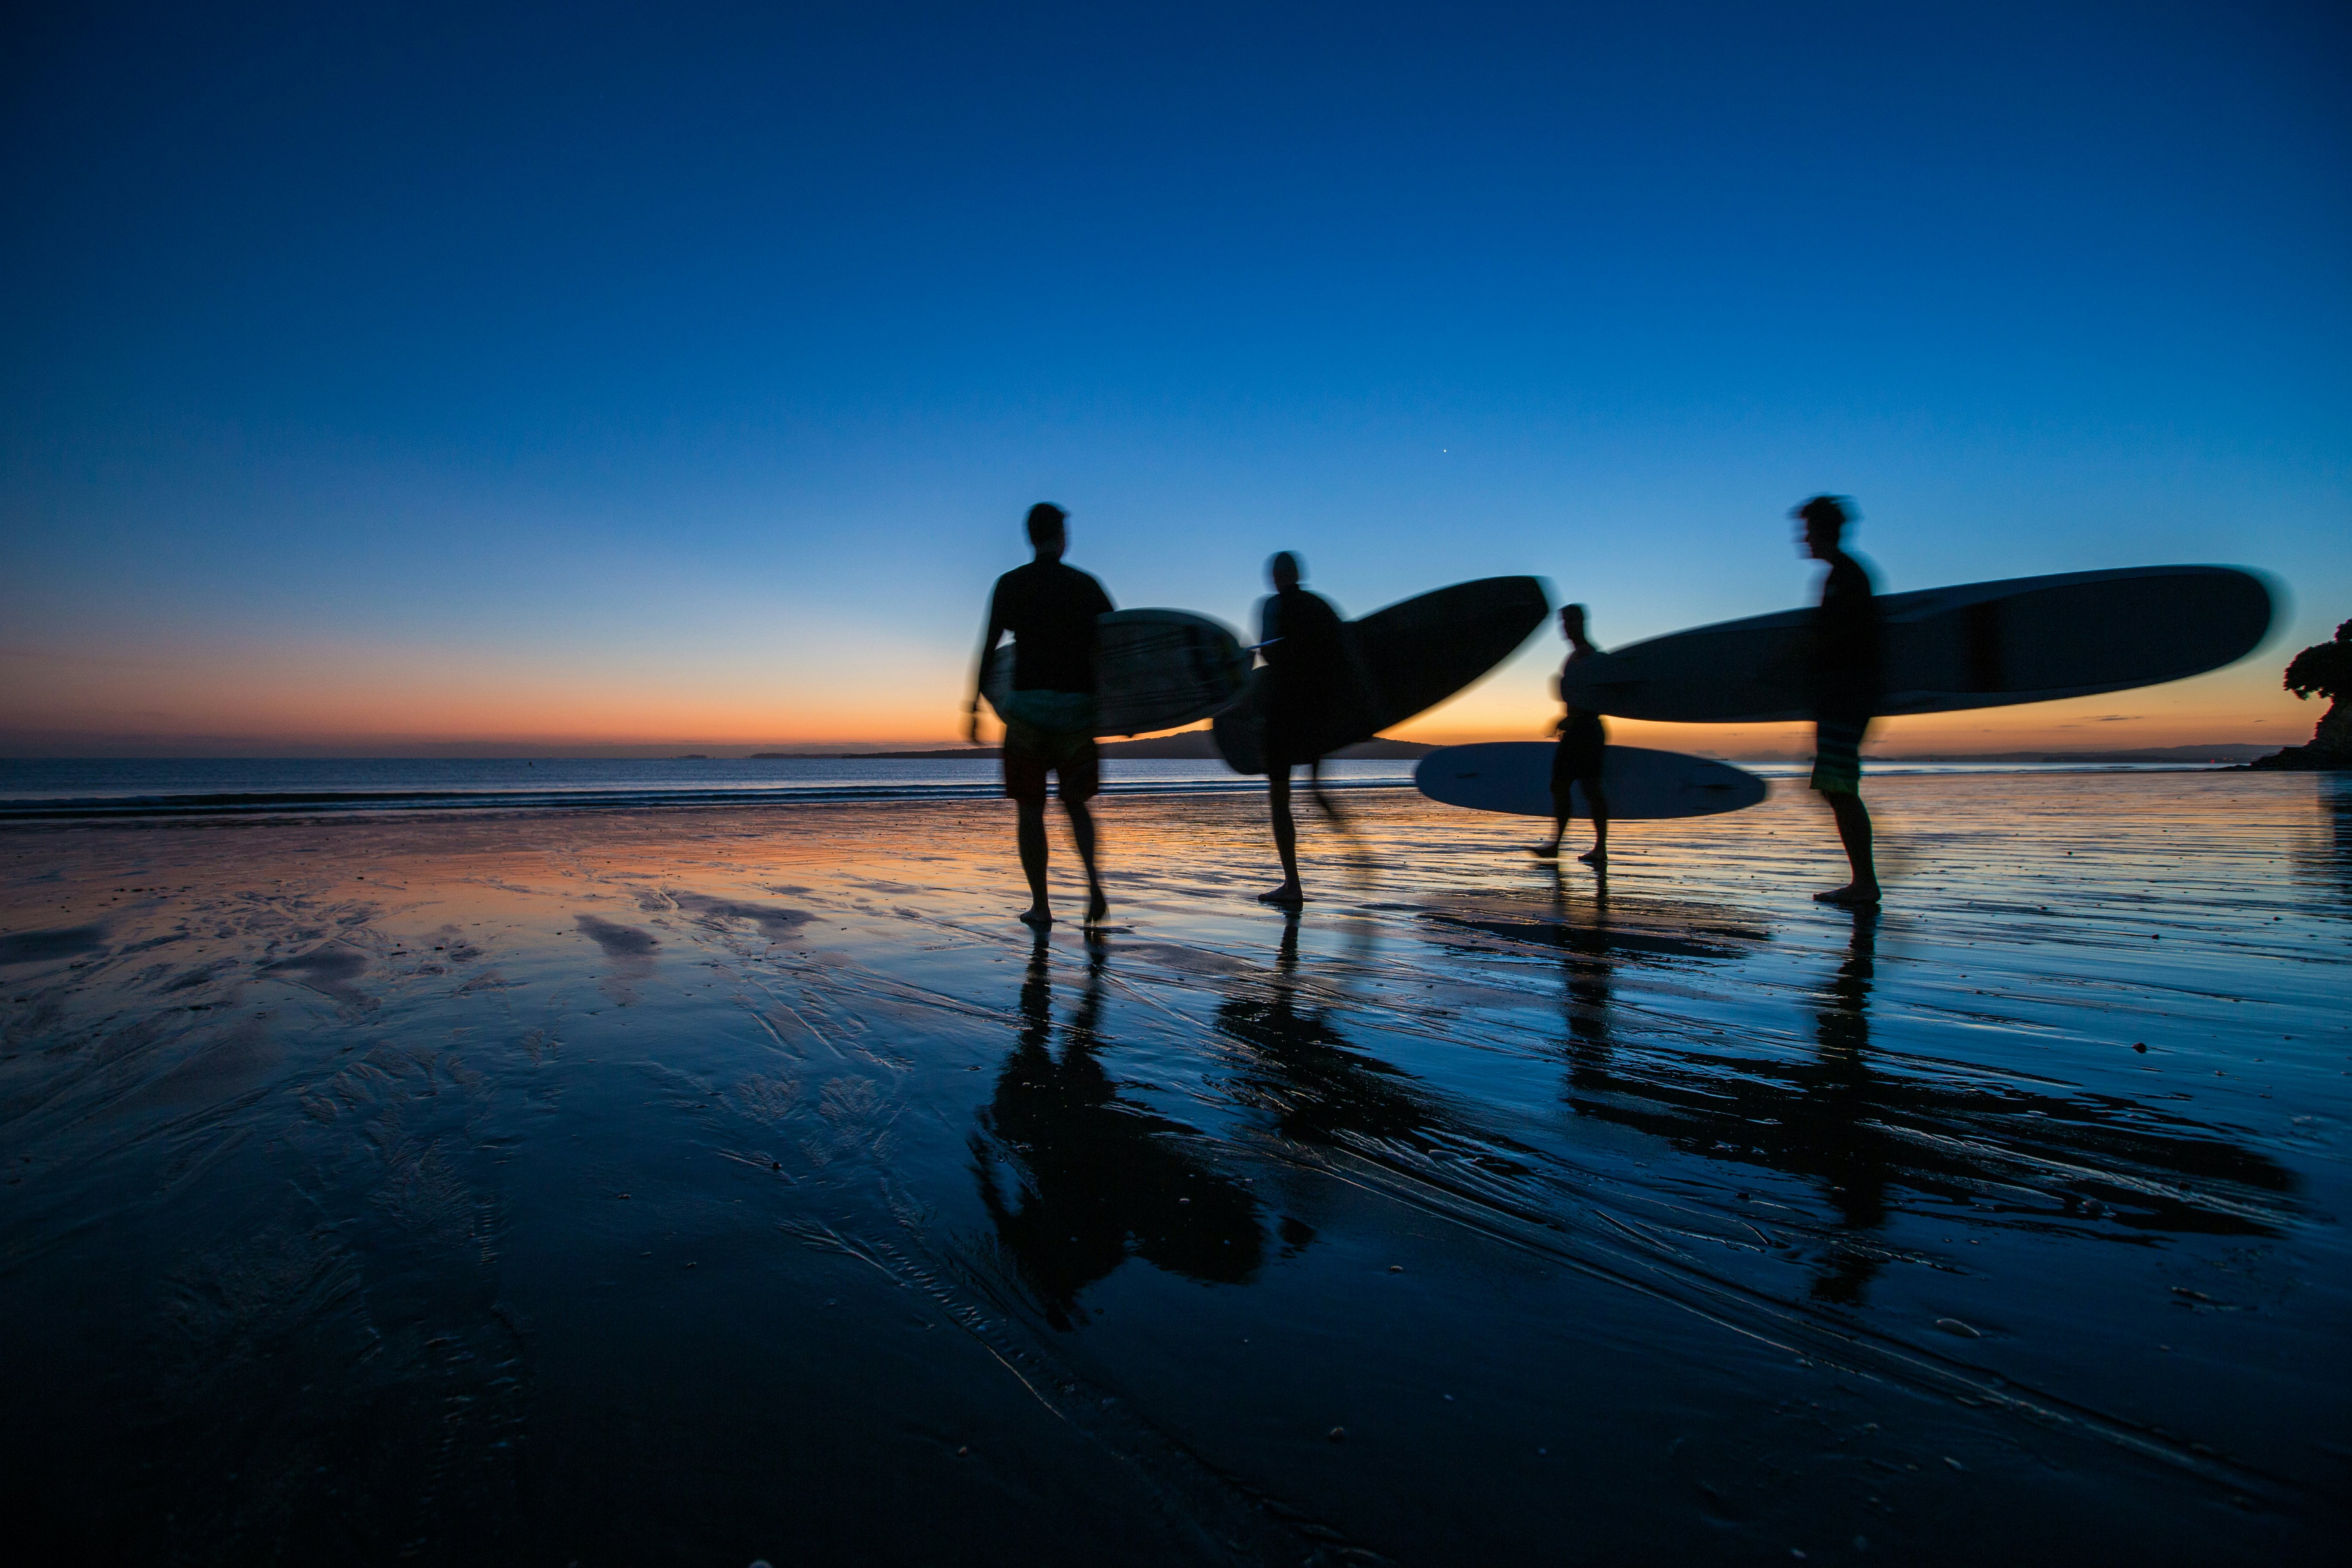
column 345, row 699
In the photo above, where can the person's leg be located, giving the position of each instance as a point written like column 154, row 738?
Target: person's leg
column 1030, row 835
column 1854, row 832
column 1024, row 781
column 1080, row 771
column 1562, row 810
column 1333, row 813
column 1082, row 829
column 1837, row 778
column 1564, row 803
column 1285, row 833
column 1323, row 803
column 1598, row 799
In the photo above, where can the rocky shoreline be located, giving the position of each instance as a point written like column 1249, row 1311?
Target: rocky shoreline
column 2310, row 759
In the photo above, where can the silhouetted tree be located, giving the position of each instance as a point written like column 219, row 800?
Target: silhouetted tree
column 2324, row 670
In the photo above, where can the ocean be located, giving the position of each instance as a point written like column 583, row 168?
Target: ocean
column 85, row 788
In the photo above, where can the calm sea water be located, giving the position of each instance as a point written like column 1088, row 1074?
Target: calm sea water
column 84, row 787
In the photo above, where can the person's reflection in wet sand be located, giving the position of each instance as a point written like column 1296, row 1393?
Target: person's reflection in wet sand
column 1321, row 1090
column 1838, row 1106
column 1588, row 970
column 1867, row 1136
column 1825, row 1127
column 1827, row 1109
column 1078, row 1179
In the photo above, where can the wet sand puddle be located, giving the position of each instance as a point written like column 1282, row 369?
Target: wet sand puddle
column 697, row 1186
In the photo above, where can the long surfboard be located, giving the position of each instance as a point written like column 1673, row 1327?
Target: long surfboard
column 1642, row 785
column 1978, row 644
column 1415, row 653
column 1159, row 670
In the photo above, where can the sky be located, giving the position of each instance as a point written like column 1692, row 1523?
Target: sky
column 379, row 377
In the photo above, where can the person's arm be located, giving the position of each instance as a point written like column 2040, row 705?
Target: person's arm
column 979, row 671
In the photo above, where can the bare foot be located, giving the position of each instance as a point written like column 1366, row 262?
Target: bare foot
column 1594, row 857
column 1852, row 896
column 1289, row 894
column 1034, row 916
column 1098, row 910
column 1544, row 851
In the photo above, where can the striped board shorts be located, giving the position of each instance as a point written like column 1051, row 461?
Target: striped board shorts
column 1837, row 755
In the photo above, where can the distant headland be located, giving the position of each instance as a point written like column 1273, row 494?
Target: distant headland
column 2227, row 752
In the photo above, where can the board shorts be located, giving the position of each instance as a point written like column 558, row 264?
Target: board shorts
column 1051, row 733
column 1287, row 736
column 1837, row 754
column 1582, row 752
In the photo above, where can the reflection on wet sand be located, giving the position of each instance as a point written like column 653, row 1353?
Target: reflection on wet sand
column 2335, row 801
column 1321, row 1091
column 333, row 1144
column 1077, row 1180
column 1859, row 1133
column 1584, row 956
column 1838, row 1105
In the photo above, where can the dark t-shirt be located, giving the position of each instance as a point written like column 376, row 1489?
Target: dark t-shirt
column 1568, row 668
column 1849, row 644
column 1050, row 609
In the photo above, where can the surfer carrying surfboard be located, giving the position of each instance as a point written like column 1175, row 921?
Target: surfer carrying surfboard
column 1578, row 759
column 1848, row 657
column 1049, row 715
column 1312, row 669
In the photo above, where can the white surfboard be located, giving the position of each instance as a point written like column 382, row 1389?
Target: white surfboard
column 1644, row 786
column 1977, row 645
column 1160, row 669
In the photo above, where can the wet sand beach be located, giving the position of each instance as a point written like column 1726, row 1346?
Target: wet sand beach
column 693, row 1186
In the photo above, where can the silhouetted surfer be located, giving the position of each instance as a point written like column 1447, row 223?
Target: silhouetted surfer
column 1050, row 609
column 1312, row 681
column 1848, row 652
column 1578, row 759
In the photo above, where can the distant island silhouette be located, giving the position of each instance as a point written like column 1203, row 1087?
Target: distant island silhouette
column 2227, row 752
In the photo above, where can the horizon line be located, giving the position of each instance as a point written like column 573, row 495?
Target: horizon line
column 819, row 751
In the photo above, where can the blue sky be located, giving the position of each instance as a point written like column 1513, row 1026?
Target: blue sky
column 416, row 371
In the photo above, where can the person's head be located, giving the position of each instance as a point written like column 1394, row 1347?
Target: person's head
column 1571, row 622
column 1825, row 519
column 1049, row 531
column 1286, row 570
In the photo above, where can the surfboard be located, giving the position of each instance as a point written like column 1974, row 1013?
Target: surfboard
column 1416, row 653
column 1159, row 670
column 1977, row 645
column 1644, row 786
